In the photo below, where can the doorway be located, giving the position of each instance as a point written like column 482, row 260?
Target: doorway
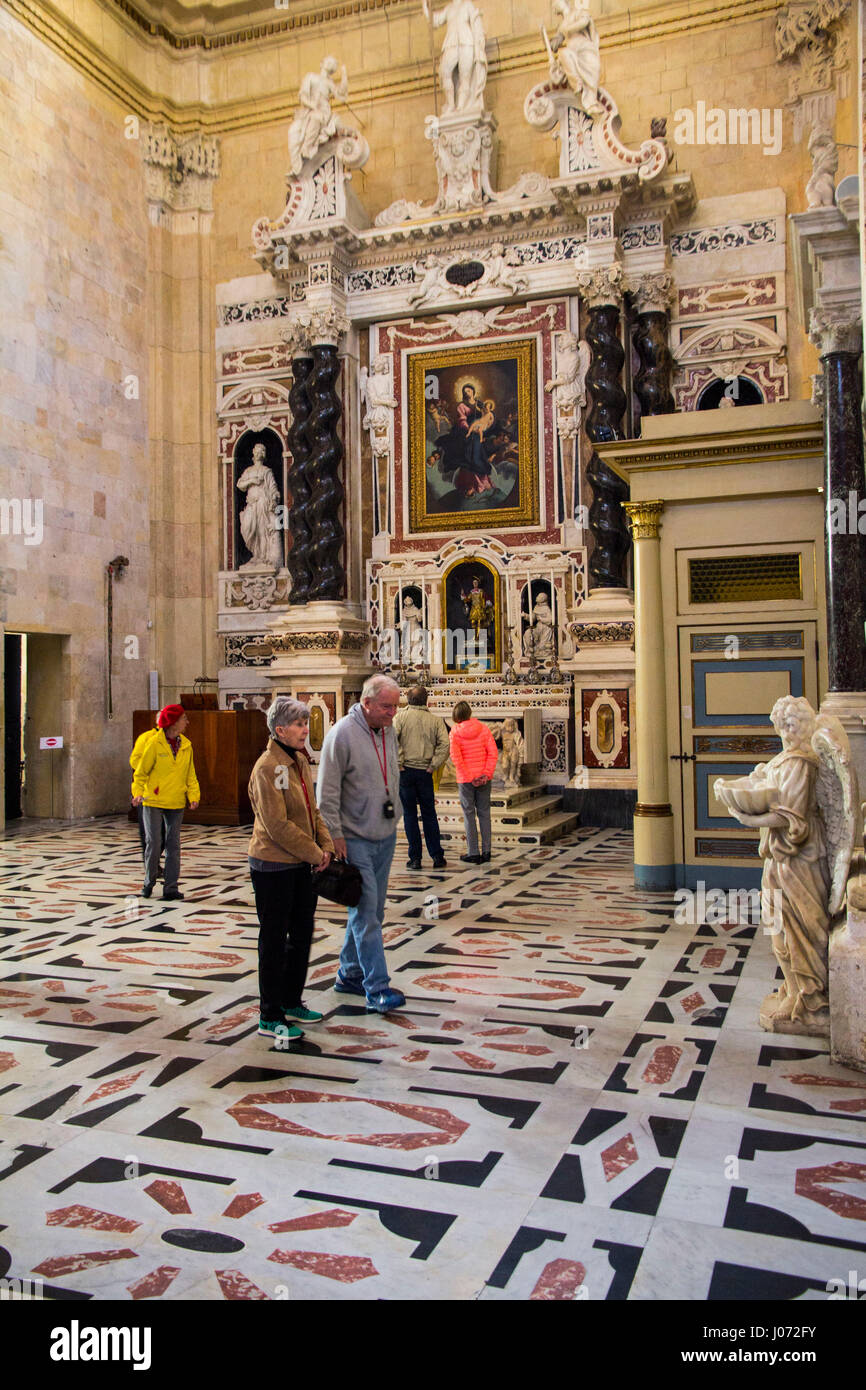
column 14, row 686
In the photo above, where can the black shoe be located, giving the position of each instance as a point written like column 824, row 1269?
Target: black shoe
column 146, row 890
column 470, row 858
column 172, row 895
column 413, row 863
column 440, row 862
column 485, row 858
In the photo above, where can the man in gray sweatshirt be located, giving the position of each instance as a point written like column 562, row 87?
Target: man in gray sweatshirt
column 357, row 791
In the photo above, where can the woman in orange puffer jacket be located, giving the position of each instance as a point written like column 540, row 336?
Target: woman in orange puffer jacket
column 474, row 755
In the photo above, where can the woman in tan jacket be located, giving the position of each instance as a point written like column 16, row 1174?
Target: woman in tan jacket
column 290, row 844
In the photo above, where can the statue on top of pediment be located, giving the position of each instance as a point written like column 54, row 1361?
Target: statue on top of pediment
column 574, row 54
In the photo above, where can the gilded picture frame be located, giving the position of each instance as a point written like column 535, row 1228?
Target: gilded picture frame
column 473, row 437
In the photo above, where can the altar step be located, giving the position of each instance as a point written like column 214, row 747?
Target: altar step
column 520, row 816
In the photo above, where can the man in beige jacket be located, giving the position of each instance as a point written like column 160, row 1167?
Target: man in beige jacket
column 422, row 738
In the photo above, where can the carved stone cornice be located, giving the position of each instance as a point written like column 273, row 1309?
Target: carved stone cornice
column 806, row 37
column 644, row 519
column 585, row 634
column 330, row 641
column 652, row 293
column 179, row 170
column 835, row 332
column 601, row 286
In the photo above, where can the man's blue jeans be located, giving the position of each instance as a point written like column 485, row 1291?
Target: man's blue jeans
column 362, row 958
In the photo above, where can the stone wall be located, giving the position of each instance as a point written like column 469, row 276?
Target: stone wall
column 73, row 268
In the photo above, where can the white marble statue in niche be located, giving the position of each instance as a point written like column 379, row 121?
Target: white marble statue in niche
column 413, row 642
column 806, row 803
column 463, row 61
column 538, row 638
column 258, row 520
column 314, row 122
column 821, row 188
column 575, row 56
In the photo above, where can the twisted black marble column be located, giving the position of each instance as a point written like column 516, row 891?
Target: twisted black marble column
column 652, row 382
column 845, row 549
column 300, row 518
column 326, row 454
column 606, row 517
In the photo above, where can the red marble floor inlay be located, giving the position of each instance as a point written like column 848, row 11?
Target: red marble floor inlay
column 818, row 1184
column 244, row 1202
column 445, row 982
column 181, row 958
column 232, row 1021
column 419, row 1055
column 83, row 1016
column 560, row 1279
column 618, row 1157
column 692, row 1001
column 345, row 1269
column 153, row 1285
column 662, row 1064
column 60, row 1265
column 475, row 1062
column 8, row 1060
column 713, row 957
column 527, row 1049
column 89, row 1216
column 235, row 1285
column 316, row 1221
column 810, row 1078
column 444, row 1128
column 170, row 1195
column 499, row 1032
column 109, row 1088
column 851, row 1107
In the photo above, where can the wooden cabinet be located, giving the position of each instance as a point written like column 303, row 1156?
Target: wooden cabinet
column 226, row 744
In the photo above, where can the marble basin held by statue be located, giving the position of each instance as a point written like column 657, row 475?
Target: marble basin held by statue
column 747, row 797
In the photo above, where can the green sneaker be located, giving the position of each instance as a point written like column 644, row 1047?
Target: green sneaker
column 282, row 1032
column 303, row 1014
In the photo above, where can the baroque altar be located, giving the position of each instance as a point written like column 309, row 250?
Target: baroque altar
column 427, row 386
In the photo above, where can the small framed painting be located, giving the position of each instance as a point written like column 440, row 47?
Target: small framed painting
column 473, row 438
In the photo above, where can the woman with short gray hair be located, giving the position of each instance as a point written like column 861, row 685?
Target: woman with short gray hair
column 290, row 844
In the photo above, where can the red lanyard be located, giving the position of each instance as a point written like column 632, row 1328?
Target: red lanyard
column 383, row 761
column 306, row 798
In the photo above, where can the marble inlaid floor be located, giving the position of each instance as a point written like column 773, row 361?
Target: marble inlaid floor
column 577, row 1101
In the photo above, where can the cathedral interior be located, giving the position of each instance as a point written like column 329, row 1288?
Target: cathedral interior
column 509, row 349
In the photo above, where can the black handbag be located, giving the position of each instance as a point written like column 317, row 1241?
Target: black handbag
column 340, row 883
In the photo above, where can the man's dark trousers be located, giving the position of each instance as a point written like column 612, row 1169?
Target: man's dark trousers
column 416, row 790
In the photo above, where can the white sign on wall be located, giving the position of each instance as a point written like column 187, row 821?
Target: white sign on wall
column 51, row 743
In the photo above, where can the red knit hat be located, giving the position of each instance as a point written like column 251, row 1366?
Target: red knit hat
column 169, row 715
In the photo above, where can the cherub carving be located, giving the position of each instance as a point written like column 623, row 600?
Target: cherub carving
column 431, row 269
column 806, row 803
column 513, row 752
column 502, row 271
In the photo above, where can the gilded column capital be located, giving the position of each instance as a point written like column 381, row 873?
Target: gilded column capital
column 836, row 330
column 601, row 286
column 652, row 293
column 644, row 518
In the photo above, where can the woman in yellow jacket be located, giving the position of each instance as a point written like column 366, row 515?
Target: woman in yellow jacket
column 164, row 780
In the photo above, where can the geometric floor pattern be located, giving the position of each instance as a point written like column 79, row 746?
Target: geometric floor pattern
column 577, row 1101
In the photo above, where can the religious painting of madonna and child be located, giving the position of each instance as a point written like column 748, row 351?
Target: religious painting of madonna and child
column 473, row 439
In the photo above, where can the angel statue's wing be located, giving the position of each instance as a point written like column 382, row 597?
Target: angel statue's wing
column 838, row 801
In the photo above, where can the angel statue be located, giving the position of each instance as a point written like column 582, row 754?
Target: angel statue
column 574, row 54
column 572, row 364
column 806, row 803
column 314, row 121
column 463, row 61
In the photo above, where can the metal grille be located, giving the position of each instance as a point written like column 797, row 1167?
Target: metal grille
column 745, row 578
